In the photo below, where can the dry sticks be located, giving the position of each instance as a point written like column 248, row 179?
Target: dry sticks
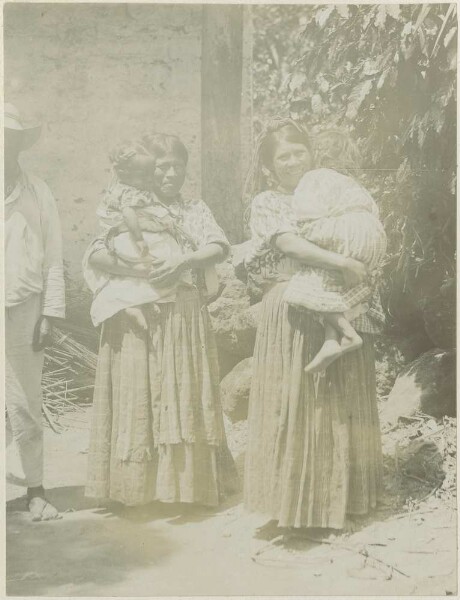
column 67, row 347
column 69, row 366
column 363, row 551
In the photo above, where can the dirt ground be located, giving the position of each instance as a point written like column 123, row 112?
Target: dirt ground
column 408, row 547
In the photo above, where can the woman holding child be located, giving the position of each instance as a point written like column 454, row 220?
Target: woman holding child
column 157, row 430
column 314, row 451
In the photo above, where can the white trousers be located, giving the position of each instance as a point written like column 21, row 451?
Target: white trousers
column 23, row 375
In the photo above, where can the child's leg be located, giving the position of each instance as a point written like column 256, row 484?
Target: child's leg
column 330, row 350
column 350, row 338
column 337, row 327
column 136, row 314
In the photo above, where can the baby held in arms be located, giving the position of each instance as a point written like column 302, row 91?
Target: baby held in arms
column 335, row 212
column 136, row 228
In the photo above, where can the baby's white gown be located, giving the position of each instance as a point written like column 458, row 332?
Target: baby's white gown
column 338, row 214
column 113, row 294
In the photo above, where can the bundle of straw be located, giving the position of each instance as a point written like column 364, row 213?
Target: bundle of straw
column 66, row 347
column 68, row 378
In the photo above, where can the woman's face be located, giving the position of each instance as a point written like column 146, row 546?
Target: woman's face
column 290, row 161
column 168, row 176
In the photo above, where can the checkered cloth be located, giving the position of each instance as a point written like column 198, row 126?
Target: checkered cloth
column 357, row 235
column 271, row 215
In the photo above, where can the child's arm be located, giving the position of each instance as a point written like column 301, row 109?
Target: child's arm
column 292, row 245
column 132, row 223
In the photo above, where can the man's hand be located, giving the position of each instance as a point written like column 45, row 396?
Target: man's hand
column 42, row 334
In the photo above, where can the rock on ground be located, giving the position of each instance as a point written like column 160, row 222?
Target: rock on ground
column 234, row 320
column 234, row 389
column 426, row 385
column 421, row 459
column 439, row 317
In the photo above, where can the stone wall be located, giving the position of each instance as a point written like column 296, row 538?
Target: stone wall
column 94, row 74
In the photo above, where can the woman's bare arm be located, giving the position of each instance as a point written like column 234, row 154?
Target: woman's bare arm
column 204, row 257
column 102, row 260
column 296, row 247
column 292, row 245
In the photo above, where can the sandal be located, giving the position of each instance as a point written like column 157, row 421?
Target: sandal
column 41, row 509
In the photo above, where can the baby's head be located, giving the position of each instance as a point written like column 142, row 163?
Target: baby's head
column 133, row 165
column 334, row 149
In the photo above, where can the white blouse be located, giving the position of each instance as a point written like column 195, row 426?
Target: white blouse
column 33, row 247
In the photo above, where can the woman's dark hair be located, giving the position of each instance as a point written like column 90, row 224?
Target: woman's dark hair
column 159, row 144
column 278, row 129
column 288, row 133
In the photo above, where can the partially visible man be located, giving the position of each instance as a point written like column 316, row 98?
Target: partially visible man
column 34, row 297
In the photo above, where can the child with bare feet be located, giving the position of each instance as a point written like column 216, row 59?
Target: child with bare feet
column 136, row 228
column 335, row 212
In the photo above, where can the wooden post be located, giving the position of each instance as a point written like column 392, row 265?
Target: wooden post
column 221, row 90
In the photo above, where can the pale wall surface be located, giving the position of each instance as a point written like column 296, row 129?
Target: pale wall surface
column 95, row 74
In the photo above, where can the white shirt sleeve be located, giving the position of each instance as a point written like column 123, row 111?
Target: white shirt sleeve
column 53, row 269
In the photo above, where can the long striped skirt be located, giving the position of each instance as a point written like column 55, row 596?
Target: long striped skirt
column 157, row 428
column 314, row 452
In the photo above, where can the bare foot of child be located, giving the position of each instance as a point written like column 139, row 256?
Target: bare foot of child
column 351, row 342
column 137, row 317
column 331, row 351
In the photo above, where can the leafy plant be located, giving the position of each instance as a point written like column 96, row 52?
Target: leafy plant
column 387, row 74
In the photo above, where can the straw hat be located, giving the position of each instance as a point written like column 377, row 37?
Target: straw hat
column 13, row 120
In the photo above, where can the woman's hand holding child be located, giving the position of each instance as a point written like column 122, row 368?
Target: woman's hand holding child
column 166, row 273
column 143, row 248
column 354, row 272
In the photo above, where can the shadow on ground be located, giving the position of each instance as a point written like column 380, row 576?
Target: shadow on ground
column 79, row 550
column 66, row 499
column 93, row 543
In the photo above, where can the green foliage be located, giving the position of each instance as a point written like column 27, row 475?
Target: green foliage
column 387, row 74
